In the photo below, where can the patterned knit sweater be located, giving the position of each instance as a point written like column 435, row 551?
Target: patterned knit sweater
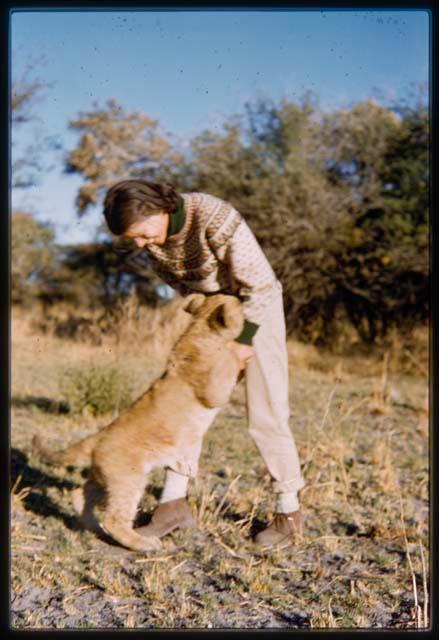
column 211, row 249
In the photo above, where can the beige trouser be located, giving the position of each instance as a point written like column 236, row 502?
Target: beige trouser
column 268, row 408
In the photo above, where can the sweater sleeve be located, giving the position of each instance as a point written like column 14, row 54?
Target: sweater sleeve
column 248, row 266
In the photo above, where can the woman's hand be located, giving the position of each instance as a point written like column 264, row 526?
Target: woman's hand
column 244, row 352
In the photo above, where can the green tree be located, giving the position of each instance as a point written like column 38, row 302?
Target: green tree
column 268, row 163
column 389, row 270
column 28, row 158
column 32, row 248
column 338, row 203
column 355, row 143
column 116, row 145
column 33, row 253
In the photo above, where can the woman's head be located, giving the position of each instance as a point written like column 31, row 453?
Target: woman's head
column 140, row 209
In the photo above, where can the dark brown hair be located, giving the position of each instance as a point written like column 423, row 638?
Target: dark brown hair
column 128, row 201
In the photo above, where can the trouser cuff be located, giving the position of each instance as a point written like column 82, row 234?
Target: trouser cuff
column 287, row 486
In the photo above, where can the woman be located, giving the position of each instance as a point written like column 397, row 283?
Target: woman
column 197, row 242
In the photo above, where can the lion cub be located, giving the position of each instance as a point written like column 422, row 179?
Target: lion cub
column 154, row 432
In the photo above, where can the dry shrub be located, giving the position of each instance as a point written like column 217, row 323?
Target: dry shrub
column 67, row 321
column 384, row 471
column 406, row 353
column 303, row 356
column 159, row 326
column 409, row 352
column 126, row 325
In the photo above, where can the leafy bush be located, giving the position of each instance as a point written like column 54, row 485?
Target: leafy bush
column 96, row 389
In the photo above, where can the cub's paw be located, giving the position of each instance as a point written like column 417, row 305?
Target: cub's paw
column 152, row 544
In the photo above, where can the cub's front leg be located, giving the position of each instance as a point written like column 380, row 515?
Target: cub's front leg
column 123, row 497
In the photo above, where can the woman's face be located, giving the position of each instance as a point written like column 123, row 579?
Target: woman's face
column 152, row 229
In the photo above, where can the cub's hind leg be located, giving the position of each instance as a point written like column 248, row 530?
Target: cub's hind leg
column 123, row 497
column 84, row 500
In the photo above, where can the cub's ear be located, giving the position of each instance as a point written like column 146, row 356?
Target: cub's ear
column 193, row 302
column 227, row 318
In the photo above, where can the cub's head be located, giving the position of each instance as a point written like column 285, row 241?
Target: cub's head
column 205, row 356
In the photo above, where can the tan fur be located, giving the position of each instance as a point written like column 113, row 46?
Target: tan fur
column 166, row 420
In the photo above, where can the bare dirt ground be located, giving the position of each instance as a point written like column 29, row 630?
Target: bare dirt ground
column 361, row 427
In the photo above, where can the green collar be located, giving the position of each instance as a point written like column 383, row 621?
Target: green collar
column 176, row 219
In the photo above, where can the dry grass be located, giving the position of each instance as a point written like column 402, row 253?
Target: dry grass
column 361, row 426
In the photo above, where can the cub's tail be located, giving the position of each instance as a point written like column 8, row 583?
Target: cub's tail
column 78, row 455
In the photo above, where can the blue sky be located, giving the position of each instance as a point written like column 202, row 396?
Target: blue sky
column 193, row 69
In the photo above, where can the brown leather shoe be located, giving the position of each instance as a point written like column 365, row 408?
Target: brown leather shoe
column 167, row 517
column 285, row 527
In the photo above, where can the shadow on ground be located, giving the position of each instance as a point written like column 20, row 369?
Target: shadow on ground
column 36, row 482
column 41, row 402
